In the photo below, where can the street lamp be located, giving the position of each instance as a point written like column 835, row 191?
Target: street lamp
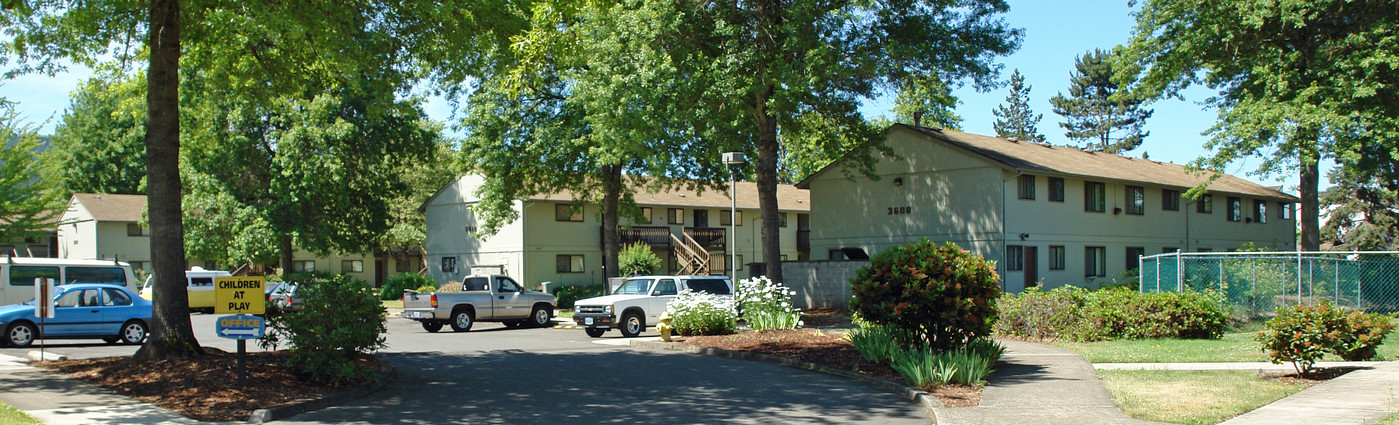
column 733, row 159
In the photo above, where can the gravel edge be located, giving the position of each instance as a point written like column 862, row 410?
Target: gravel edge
column 928, row 401
column 386, row 376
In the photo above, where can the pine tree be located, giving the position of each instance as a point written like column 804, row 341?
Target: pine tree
column 1014, row 119
column 1094, row 113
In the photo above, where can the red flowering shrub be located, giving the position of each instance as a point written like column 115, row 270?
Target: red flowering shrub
column 1303, row 334
column 943, row 296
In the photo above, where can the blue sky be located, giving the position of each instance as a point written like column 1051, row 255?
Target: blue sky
column 1055, row 32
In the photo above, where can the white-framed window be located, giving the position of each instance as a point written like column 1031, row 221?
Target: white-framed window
column 724, row 218
column 351, row 266
column 303, row 266
column 568, row 212
column 569, row 263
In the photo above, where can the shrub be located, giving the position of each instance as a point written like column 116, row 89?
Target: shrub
column 877, row 343
column 1077, row 314
column 340, row 322
column 944, row 295
column 969, row 364
column 1303, row 334
column 637, row 259
column 699, row 313
column 393, row 287
column 429, row 287
column 569, row 295
column 767, row 305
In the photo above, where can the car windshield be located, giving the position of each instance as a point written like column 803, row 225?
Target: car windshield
column 635, row 287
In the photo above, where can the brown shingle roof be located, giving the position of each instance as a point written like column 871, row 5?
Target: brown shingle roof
column 108, row 207
column 789, row 197
column 1037, row 158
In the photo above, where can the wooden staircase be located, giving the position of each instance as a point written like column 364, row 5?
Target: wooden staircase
column 692, row 257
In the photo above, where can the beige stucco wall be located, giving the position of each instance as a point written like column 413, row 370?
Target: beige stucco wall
column 77, row 234
column 450, row 222
column 955, row 196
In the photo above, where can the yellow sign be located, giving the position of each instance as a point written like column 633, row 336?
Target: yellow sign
column 239, row 295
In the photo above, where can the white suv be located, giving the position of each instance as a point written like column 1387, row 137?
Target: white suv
column 639, row 302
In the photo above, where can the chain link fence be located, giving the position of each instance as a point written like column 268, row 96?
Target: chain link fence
column 1257, row 283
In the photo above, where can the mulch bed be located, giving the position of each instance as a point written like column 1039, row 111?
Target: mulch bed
column 826, row 348
column 203, row 388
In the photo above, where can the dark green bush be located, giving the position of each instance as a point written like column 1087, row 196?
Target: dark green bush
column 637, row 259
column 1362, row 335
column 1303, row 334
column 339, row 323
column 393, row 287
column 567, row 295
column 1076, row 314
column 943, row 295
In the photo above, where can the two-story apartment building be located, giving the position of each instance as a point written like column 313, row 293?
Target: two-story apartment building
column 107, row 226
column 559, row 240
column 1050, row 215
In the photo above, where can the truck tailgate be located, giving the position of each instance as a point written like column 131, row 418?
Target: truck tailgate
column 417, row 300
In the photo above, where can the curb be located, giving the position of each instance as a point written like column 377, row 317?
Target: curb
column 288, row 410
column 928, row 401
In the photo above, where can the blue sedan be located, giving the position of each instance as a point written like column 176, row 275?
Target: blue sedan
column 109, row 312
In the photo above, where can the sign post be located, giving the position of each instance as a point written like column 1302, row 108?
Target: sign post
column 43, row 306
column 241, row 296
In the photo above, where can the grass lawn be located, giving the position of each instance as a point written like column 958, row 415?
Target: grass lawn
column 1235, row 346
column 392, row 304
column 11, row 415
column 1192, row 397
column 567, row 314
column 1392, row 419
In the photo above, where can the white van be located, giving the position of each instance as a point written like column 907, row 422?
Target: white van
column 17, row 275
column 200, row 287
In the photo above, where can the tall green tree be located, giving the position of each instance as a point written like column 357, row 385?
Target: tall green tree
column 99, row 146
column 1015, row 119
column 749, row 70
column 1296, row 81
column 1362, row 212
column 28, row 205
column 266, row 43
column 1097, row 111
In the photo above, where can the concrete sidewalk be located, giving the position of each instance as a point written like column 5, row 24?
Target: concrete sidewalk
column 1038, row 383
column 54, row 399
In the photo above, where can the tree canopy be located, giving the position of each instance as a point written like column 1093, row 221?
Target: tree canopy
column 1097, row 111
column 28, row 206
column 1296, row 81
column 1015, row 119
column 99, row 146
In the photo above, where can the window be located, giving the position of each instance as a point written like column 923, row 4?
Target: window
column 1236, row 209
column 1015, row 257
column 449, row 264
column 305, row 266
column 1095, row 260
column 718, row 286
column 781, row 219
column 25, row 275
column 1094, row 196
column 568, row 212
column 738, row 262
column 675, row 216
column 1134, row 256
column 476, row 284
column 135, row 229
column 115, row 297
column 110, row 275
column 1260, row 211
column 1284, row 210
column 1205, row 205
column 569, row 263
column 1056, row 189
column 508, row 285
column 1136, row 200
column 1056, row 257
column 1170, row 200
column 646, row 215
column 724, row 219
column 1027, row 187
column 351, row 266
column 701, row 218
column 80, row 297
column 666, row 287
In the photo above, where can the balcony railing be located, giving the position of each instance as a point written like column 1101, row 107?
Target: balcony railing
column 656, row 236
column 709, row 237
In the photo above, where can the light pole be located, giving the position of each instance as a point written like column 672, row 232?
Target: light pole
column 732, row 159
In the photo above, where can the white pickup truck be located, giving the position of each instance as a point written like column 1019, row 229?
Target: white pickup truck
column 639, row 302
column 484, row 298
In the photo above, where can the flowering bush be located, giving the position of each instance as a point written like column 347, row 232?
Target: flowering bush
column 943, row 294
column 1303, row 334
column 700, row 313
column 767, row 305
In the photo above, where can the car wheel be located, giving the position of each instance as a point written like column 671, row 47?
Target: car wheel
column 632, row 325
column 432, row 326
column 133, row 332
column 540, row 317
column 21, row 334
column 595, row 332
column 462, row 320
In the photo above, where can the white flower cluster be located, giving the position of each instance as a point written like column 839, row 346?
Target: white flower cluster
column 702, row 313
column 763, row 294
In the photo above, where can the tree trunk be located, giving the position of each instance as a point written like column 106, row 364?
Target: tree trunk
column 767, row 194
column 172, row 335
column 611, row 197
column 1310, row 210
column 285, row 251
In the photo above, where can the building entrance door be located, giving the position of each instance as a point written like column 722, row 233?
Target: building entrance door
column 1032, row 271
